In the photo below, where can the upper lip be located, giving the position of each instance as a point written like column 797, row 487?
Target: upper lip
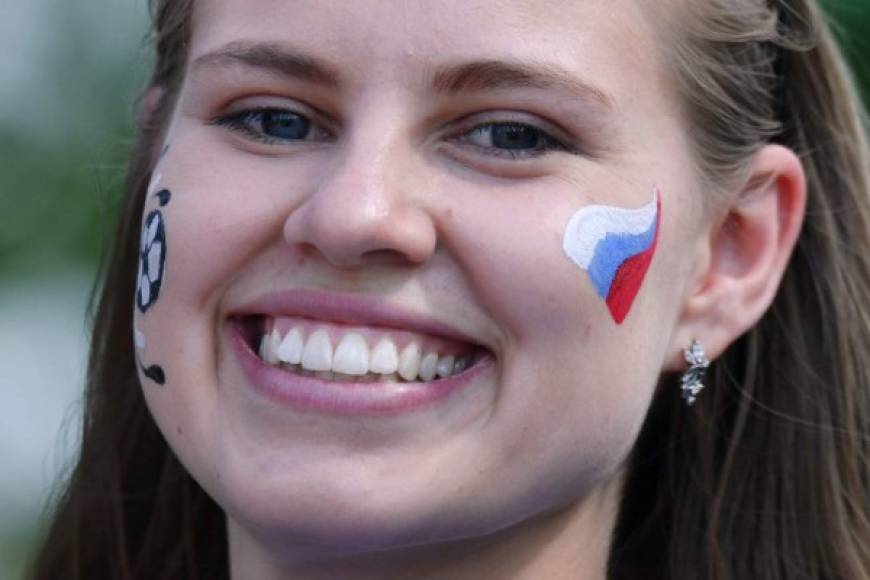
column 349, row 309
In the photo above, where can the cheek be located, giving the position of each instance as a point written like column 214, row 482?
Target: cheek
column 227, row 209
column 201, row 227
column 577, row 381
column 514, row 262
column 519, row 261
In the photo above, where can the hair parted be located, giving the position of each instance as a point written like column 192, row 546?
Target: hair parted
column 766, row 477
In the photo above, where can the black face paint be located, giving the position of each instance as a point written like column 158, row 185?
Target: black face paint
column 155, row 373
column 152, row 257
column 163, row 151
column 164, row 195
column 152, row 260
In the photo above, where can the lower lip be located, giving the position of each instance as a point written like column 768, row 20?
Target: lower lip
column 347, row 399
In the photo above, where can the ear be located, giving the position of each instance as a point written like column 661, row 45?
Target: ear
column 148, row 103
column 744, row 256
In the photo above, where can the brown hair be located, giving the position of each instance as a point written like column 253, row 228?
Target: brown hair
column 766, row 477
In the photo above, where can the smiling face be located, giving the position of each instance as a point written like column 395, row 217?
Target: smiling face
column 403, row 174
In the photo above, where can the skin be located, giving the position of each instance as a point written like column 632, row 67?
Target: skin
column 518, row 476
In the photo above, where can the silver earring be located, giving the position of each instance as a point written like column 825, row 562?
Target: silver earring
column 693, row 377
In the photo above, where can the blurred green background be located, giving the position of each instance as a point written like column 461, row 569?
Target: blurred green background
column 69, row 72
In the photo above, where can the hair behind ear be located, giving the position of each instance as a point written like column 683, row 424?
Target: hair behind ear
column 766, row 477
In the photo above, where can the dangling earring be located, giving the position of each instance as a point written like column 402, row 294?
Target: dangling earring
column 693, row 377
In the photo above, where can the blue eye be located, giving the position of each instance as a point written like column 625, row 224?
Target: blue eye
column 284, row 125
column 512, row 139
column 273, row 125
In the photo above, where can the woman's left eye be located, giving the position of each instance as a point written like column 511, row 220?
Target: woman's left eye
column 273, row 125
column 511, row 139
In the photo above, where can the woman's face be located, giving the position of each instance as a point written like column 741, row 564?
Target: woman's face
column 403, row 174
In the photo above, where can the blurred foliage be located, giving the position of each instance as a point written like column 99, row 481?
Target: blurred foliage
column 58, row 208
column 64, row 138
column 851, row 22
column 61, row 172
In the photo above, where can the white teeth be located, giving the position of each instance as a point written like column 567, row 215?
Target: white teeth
column 385, row 357
column 290, row 349
column 352, row 355
column 352, row 361
column 444, row 368
column 317, row 354
column 428, row 366
column 461, row 364
column 272, row 343
column 264, row 343
column 409, row 362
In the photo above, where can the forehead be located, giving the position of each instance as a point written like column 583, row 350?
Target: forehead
column 608, row 42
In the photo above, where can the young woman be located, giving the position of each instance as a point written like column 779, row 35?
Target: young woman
column 429, row 290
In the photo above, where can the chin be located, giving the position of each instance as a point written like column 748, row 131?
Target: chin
column 332, row 521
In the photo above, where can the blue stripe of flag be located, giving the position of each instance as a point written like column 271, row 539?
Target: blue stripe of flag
column 612, row 251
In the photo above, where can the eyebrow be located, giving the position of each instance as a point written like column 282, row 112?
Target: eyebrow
column 493, row 75
column 271, row 58
column 465, row 77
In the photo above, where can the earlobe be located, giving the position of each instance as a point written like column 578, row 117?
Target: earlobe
column 747, row 253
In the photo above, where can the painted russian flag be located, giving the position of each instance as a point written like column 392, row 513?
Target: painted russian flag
column 615, row 246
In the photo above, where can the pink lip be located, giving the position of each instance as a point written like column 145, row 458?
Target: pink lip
column 347, row 399
column 348, row 309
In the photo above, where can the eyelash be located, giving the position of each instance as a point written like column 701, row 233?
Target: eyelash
column 548, row 143
column 242, row 122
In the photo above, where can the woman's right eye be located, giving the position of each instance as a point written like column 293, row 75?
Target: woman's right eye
column 273, row 126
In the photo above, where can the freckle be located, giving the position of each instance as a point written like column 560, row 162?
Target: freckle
column 179, row 430
column 587, row 332
column 449, row 213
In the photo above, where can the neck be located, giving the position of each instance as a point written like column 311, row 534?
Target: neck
column 573, row 543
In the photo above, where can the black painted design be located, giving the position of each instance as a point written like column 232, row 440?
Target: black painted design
column 152, row 258
column 164, row 195
column 164, row 151
column 155, row 373
column 152, row 262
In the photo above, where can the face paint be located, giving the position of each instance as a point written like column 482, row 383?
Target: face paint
column 164, row 195
column 155, row 373
column 155, row 181
column 615, row 246
column 138, row 337
column 152, row 259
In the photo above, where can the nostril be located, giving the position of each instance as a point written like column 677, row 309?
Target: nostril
column 385, row 257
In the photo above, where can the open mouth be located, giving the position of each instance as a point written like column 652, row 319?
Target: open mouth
column 356, row 354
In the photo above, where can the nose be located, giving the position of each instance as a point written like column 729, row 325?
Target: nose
column 364, row 210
